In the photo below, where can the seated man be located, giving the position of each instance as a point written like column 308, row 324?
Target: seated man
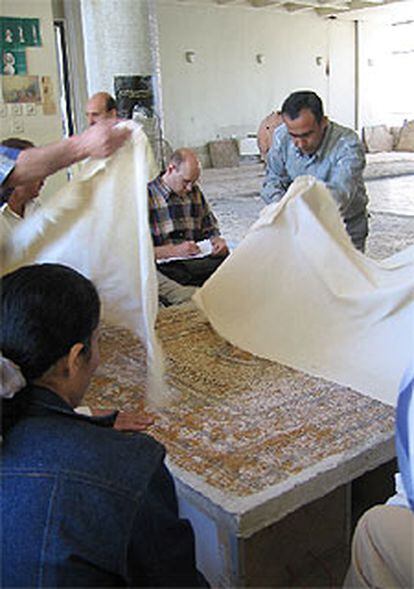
column 179, row 218
column 309, row 144
column 100, row 106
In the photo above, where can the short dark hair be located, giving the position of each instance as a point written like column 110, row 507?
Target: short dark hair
column 14, row 143
column 303, row 99
column 110, row 103
column 17, row 143
column 45, row 310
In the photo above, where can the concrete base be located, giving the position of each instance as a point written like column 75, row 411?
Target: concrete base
column 309, row 547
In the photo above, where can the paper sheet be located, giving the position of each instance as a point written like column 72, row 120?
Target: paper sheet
column 205, row 250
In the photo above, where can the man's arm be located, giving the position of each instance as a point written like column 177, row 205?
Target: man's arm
column 277, row 180
column 36, row 163
column 345, row 181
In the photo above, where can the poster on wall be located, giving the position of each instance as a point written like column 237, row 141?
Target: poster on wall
column 13, row 63
column 19, row 33
column 49, row 103
column 21, row 89
column 134, row 91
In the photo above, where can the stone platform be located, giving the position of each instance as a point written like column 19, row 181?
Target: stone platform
column 249, row 441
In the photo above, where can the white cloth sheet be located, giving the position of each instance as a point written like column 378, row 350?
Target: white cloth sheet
column 98, row 224
column 297, row 291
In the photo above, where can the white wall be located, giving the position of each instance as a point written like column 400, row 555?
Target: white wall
column 116, row 41
column 41, row 61
column 225, row 91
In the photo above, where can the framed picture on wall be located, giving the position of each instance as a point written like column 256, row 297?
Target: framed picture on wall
column 21, row 89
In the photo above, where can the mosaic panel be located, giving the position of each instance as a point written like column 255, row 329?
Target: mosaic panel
column 240, row 422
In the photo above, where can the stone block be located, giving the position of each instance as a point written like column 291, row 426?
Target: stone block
column 224, row 153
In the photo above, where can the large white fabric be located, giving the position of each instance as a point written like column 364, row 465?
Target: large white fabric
column 298, row 292
column 98, row 224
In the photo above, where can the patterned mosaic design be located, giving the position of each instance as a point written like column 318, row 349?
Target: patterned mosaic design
column 241, row 423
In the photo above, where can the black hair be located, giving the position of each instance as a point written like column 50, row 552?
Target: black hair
column 303, row 99
column 45, row 310
column 17, row 143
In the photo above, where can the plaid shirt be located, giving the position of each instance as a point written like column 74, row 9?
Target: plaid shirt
column 174, row 218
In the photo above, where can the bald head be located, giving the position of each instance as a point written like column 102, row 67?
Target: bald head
column 183, row 171
column 100, row 106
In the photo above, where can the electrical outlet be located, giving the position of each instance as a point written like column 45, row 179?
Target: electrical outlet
column 16, row 110
column 30, row 109
column 17, row 126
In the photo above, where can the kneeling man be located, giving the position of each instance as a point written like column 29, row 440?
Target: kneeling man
column 180, row 218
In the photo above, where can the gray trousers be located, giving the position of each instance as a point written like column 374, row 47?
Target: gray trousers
column 171, row 292
column 357, row 228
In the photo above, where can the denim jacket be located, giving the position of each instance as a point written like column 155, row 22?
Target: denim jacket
column 84, row 505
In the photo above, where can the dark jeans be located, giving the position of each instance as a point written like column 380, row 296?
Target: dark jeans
column 357, row 228
column 193, row 272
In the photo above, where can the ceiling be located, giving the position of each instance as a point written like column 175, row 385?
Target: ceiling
column 326, row 8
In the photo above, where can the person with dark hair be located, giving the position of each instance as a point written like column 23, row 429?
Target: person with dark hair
column 82, row 504
column 180, row 218
column 100, row 106
column 308, row 143
column 20, row 167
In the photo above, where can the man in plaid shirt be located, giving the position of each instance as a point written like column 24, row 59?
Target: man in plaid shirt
column 179, row 218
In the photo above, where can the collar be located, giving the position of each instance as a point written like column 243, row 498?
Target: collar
column 166, row 190
column 36, row 401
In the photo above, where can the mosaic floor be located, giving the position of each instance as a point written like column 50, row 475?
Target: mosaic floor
column 240, row 422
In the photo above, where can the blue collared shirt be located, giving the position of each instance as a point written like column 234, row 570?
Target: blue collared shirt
column 8, row 157
column 339, row 162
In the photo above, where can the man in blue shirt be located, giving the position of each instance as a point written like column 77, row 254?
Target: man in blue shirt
column 309, row 144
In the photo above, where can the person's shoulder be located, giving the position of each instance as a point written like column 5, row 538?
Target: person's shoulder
column 281, row 132
column 126, row 461
column 281, row 139
column 343, row 132
column 91, row 452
